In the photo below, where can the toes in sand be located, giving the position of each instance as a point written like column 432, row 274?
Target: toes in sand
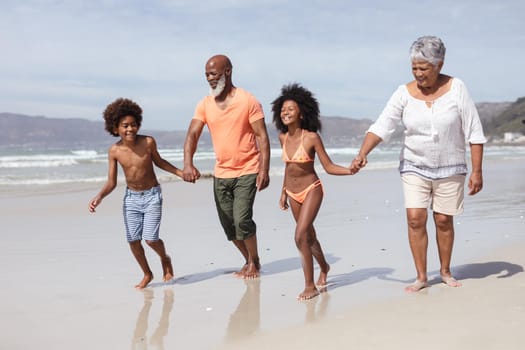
column 167, row 269
column 416, row 286
column 145, row 281
column 252, row 271
column 308, row 293
column 451, row 281
column 241, row 272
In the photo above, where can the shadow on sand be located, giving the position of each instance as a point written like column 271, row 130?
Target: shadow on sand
column 501, row 269
column 345, row 279
column 271, row 268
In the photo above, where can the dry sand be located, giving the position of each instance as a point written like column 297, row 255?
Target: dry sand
column 68, row 275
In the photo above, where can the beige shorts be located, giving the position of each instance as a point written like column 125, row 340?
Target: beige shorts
column 445, row 196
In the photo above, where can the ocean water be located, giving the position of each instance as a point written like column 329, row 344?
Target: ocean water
column 33, row 169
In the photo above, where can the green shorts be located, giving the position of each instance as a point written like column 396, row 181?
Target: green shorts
column 234, row 200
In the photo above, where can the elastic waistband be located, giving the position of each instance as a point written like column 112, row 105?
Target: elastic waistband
column 152, row 190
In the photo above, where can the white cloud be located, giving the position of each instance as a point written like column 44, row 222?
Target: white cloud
column 71, row 58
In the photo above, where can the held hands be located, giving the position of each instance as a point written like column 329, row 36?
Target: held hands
column 190, row 174
column 358, row 163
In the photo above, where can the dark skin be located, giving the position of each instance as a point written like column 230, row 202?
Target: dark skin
column 297, row 177
column 137, row 154
column 428, row 85
column 216, row 67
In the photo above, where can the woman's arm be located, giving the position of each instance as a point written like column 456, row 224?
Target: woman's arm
column 475, row 183
column 369, row 143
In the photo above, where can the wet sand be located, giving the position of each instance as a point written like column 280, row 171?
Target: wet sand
column 69, row 275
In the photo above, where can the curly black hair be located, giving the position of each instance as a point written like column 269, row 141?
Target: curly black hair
column 307, row 103
column 118, row 109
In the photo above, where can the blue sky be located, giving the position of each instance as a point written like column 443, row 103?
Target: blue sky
column 69, row 59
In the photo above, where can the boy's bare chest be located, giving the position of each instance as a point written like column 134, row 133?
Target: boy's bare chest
column 134, row 159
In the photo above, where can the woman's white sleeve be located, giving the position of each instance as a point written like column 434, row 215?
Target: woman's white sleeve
column 388, row 121
column 472, row 126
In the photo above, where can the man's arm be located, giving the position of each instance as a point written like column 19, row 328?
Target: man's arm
column 261, row 136
column 190, row 173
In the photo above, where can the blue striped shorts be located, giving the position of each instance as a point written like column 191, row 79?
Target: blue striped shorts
column 142, row 214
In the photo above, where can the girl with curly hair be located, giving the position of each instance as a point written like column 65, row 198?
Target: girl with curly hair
column 296, row 115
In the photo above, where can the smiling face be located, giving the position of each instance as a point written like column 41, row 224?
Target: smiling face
column 127, row 128
column 290, row 113
column 218, row 74
column 425, row 73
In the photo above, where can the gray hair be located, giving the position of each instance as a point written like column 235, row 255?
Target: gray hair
column 428, row 48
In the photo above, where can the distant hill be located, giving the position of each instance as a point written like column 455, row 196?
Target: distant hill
column 512, row 119
column 17, row 130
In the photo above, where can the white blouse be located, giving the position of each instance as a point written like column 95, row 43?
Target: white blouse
column 435, row 136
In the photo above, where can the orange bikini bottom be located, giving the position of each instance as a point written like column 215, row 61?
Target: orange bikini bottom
column 301, row 196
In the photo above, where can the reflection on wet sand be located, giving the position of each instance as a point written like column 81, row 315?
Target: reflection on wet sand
column 140, row 340
column 316, row 307
column 245, row 321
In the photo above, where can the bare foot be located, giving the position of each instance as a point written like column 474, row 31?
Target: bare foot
column 145, row 281
column 252, row 271
column 241, row 272
column 416, row 286
column 321, row 282
column 308, row 293
column 167, row 268
column 450, row 281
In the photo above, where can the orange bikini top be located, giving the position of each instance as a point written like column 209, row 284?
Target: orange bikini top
column 300, row 155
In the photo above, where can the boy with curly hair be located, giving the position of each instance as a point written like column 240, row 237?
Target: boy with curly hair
column 142, row 206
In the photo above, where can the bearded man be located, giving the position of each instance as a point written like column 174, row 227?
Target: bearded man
column 235, row 120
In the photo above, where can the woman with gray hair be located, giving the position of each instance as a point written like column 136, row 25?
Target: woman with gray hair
column 439, row 119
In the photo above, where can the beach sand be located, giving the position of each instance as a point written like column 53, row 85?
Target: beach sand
column 68, row 275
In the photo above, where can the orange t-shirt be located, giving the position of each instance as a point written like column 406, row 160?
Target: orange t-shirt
column 236, row 151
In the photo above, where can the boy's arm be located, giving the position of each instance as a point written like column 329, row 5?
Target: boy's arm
column 161, row 162
column 110, row 184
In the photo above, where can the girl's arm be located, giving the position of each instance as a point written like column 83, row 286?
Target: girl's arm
column 329, row 166
column 283, row 200
column 110, row 184
column 159, row 161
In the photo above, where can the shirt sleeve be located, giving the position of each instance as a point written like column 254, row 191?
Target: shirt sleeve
column 200, row 113
column 256, row 110
column 391, row 116
column 471, row 122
